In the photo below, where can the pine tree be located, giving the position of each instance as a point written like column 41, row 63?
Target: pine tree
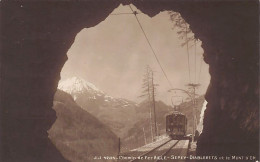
column 182, row 26
column 149, row 92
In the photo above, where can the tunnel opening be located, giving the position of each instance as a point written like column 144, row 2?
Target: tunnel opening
column 32, row 63
column 115, row 56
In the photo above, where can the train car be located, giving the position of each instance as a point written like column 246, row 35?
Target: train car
column 176, row 125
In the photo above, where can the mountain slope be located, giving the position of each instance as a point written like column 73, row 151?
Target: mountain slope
column 125, row 118
column 117, row 113
column 76, row 86
column 77, row 134
column 142, row 127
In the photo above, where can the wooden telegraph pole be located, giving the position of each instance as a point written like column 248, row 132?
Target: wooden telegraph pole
column 153, row 102
column 144, row 136
column 194, row 110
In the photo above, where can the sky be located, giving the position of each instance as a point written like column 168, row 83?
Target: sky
column 113, row 56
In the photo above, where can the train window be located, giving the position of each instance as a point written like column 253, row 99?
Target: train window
column 170, row 119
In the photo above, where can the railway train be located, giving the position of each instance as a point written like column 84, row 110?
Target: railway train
column 176, row 125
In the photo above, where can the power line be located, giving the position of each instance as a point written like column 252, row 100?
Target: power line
column 134, row 12
column 187, row 45
column 195, row 53
column 124, row 13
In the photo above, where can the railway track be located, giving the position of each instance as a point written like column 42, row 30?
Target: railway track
column 158, row 151
column 166, row 150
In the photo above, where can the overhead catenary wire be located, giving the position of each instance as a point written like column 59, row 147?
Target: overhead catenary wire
column 195, row 62
column 124, row 13
column 187, row 46
column 134, row 12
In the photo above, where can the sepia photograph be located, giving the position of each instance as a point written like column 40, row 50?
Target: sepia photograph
column 129, row 81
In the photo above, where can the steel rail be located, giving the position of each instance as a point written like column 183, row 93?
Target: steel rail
column 138, row 158
column 165, row 153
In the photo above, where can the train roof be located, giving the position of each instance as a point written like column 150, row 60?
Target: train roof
column 175, row 113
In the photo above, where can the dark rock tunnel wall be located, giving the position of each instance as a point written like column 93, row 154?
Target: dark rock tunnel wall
column 35, row 37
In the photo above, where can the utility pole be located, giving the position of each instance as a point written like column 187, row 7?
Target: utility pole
column 194, row 111
column 119, row 146
column 149, row 100
column 153, row 102
column 147, row 93
column 144, row 137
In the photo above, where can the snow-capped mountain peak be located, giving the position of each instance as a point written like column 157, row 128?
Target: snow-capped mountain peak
column 83, row 91
column 76, row 85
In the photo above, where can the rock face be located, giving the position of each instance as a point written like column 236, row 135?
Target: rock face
column 78, row 135
column 187, row 109
column 36, row 36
